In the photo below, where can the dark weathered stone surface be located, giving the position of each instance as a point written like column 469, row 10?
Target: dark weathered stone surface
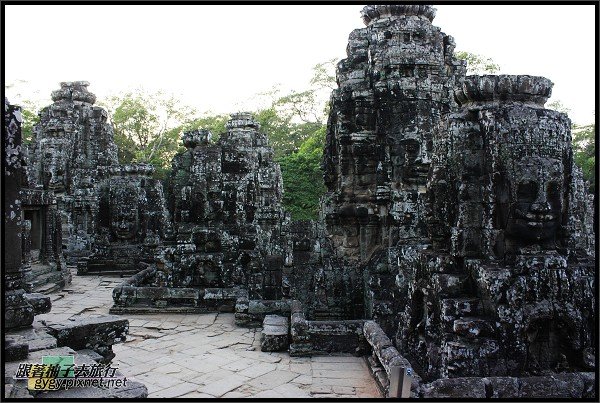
column 456, row 388
column 131, row 224
column 228, row 222
column 18, row 312
column 35, row 337
column 225, row 199
column 70, row 154
column 40, row 303
column 251, row 313
column 97, row 334
column 15, row 350
column 393, row 88
column 455, row 232
column 275, row 335
column 507, row 286
column 386, row 356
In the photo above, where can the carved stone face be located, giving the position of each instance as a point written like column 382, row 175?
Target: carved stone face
column 54, row 166
column 410, row 160
column 536, row 198
column 124, row 212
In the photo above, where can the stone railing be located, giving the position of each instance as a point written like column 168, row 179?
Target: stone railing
column 313, row 337
column 393, row 372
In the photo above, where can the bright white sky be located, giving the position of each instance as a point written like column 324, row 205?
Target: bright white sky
column 218, row 57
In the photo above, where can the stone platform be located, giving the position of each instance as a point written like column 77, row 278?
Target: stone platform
column 207, row 355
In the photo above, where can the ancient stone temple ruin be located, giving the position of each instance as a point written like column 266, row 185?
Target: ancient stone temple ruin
column 27, row 340
column 455, row 247
column 506, row 289
column 394, row 87
column 71, row 152
column 225, row 200
column 131, row 223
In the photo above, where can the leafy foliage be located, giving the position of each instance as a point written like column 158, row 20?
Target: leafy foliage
column 147, row 127
column 584, row 150
column 477, row 64
column 558, row 106
column 303, row 179
column 30, row 115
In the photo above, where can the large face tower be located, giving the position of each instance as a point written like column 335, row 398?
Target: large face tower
column 393, row 87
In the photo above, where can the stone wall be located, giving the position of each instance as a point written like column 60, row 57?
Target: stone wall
column 132, row 221
column 504, row 290
column 71, row 152
column 225, row 200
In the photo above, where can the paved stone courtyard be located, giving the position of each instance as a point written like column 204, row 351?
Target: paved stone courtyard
column 207, row 355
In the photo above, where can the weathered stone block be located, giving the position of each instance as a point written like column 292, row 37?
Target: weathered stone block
column 275, row 333
column 97, row 334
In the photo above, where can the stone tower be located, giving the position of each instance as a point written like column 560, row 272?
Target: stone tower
column 131, row 224
column 506, row 288
column 393, row 88
column 71, row 153
column 225, row 200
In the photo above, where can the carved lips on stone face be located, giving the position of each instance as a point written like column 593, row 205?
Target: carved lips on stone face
column 536, row 198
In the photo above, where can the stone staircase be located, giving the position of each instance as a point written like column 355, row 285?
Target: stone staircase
column 46, row 279
column 470, row 335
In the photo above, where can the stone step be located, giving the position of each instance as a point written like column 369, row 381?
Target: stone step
column 275, row 333
column 456, row 308
column 96, row 269
column 451, row 285
column 47, row 288
column 54, row 277
column 39, row 270
column 471, row 327
column 464, row 356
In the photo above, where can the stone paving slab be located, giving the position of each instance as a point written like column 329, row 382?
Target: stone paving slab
column 207, row 355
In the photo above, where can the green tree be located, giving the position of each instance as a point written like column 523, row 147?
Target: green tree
column 478, row 64
column 584, row 150
column 213, row 122
column 558, row 106
column 31, row 117
column 29, row 109
column 303, row 178
column 147, row 127
column 292, row 118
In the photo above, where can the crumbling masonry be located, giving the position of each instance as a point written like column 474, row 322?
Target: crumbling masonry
column 455, row 238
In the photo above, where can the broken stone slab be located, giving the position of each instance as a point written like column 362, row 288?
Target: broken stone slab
column 131, row 389
column 15, row 350
column 275, row 333
column 251, row 313
column 18, row 312
column 36, row 338
column 97, row 334
column 41, row 303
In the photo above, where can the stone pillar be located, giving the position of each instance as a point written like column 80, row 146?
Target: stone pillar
column 17, row 311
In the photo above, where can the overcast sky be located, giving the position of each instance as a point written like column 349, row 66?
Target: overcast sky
column 217, row 57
